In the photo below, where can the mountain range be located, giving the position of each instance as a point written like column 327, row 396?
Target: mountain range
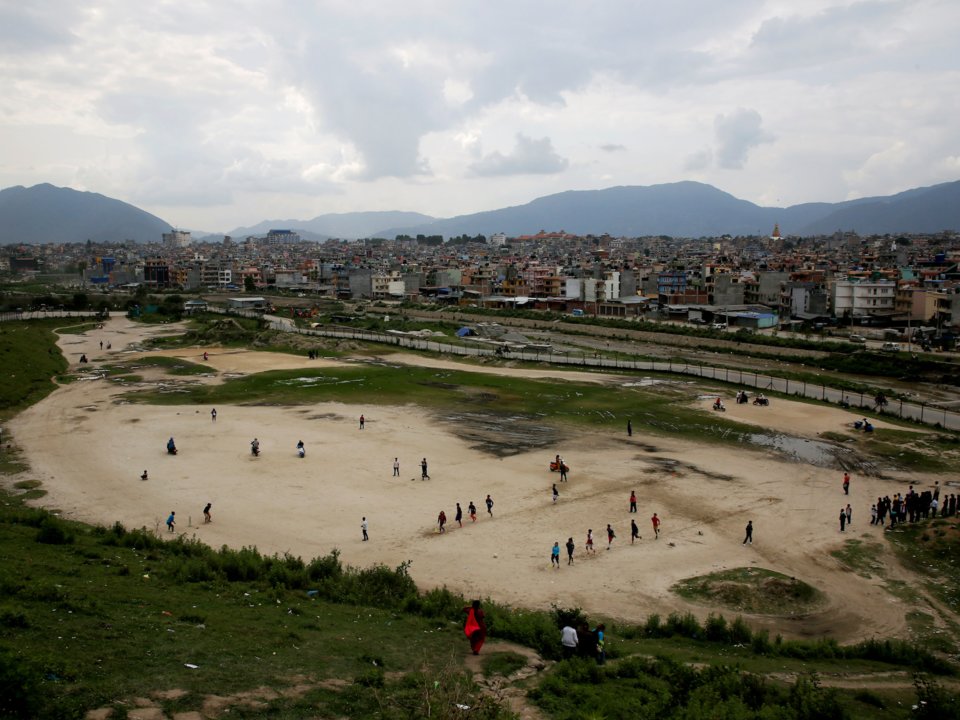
column 48, row 214
column 44, row 213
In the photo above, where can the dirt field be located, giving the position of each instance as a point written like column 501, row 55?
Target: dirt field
column 89, row 450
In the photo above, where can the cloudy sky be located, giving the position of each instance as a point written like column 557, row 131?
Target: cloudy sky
column 218, row 114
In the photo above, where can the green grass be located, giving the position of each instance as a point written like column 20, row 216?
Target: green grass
column 30, row 363
column 752, row 590
column 861, row 557
column 503, row 663
column 171, row 365
column 932, row 549
column 77, row 329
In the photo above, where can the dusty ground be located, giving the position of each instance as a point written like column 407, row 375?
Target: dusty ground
column 89, row 449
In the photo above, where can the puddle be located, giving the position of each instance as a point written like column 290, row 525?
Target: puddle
column 814, row 452
column 645, row 382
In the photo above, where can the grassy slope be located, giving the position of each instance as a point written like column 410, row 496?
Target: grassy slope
column 77, row 613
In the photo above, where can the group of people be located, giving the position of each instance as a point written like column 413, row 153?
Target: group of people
column 172, row 517
column 913, row 506
column 581, row 641
column 589, row 547
column 458, row 516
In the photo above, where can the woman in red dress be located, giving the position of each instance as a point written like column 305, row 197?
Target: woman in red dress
column 476, row 627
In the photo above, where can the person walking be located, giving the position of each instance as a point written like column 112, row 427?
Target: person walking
column 563, row 470
column 629, row 429
column 459, row 516
column 206, row 513
column 442, row 520
column 556, row 493
column 589, row 544
column 472, row 509
column 363, row 527
column 489, row 502
column 633, row 501
column 748, row 538
column 634, row 531
column 846, row 483
column 396, row 467
column 569, row 641
column 476, row 626
column 362, row 421
column 555, row 555
column 570, row 548
column 610, row 535
column 843, row 519
column 171, row 521
column 213, row 414
column 423, row 470
column 655, row 521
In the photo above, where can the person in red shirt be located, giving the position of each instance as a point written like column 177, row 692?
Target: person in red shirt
column 476, row 627
column 656, row 525
column 633, row 501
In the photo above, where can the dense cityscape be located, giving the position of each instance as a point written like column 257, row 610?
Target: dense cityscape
column 753, row 282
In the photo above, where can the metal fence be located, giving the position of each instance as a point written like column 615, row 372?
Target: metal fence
column 918, row 412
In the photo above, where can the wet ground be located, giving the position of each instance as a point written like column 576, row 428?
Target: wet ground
column 502, row 435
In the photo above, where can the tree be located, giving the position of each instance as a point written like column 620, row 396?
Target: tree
column 248, row 284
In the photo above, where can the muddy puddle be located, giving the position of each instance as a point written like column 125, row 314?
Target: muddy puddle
column 813, row 452
column 502, row 435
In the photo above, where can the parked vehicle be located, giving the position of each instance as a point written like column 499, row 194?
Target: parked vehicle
column 857, row 339
column 891, row 347
column 719, row 326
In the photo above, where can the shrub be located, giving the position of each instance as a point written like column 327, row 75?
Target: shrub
column 54, row 532
column 19, row 687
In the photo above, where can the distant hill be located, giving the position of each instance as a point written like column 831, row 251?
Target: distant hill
column 691, row 209
column 337, row 225
column 45, row 213
column 48, row 214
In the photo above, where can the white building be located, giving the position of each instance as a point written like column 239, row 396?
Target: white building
column 177, row 238
column 861, row 298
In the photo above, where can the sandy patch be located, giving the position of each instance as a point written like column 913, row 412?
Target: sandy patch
column 281, row 503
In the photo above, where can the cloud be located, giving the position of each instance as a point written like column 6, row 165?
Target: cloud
column 736, row 134
column 529, row 156
column 613, row 147
column 699, row 160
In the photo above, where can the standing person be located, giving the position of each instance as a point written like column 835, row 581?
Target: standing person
column 423, row 470
column 363, row 527
column 563, row 470
column 570, row 548
column 489, row 502
column 476, row 626
column 629, row 429
column 569, row 641
column 206, row 513
column 843, row 519
column 748, row 538
column 589, row 544
column 633, row 501
column 555, row 555
column 101, row 344
column 873, row 514
column 610, row 535
column 601, row 644
column 213, row 414
column 634, row 531
column 361, row 422
column 459, row 516
column 396, row 467
column 442, row 520
column 556, row 493
column 846, row 483
column 472, row 509
column 171, row 521
column 655, row 521
column 849, row 513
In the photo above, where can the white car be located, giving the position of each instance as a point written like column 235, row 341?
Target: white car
column 891, row 347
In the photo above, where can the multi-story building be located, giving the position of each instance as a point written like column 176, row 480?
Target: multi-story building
column 860, row 298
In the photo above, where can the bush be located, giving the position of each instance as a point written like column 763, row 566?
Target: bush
column 20, row 691
column 54, row 532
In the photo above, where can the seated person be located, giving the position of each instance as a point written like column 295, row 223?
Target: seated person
column 171, row 447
